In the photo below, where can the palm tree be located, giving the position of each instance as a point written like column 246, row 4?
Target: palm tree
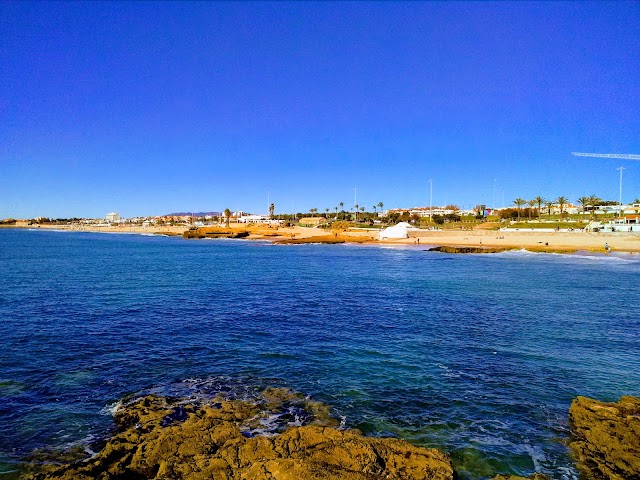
column 313, row 211
column 531, row 203
column 326, row 210
column 227, row 215
column 374, row 209
column 519, row 202
column 342, row 209
column 381, row 205
column 539, row 201
column 584, row 202
column 355, row 207
column 562, row 201
column 336, row 208
column 548, row 204
column 593, row 201
column 272, row 208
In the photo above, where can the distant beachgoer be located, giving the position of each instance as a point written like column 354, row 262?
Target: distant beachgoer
column 418, row 241
column 607, row 248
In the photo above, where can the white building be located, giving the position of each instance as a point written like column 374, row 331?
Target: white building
column 112, row 217
column 259, row 219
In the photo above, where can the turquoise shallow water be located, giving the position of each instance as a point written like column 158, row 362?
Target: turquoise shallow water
column 479, row 355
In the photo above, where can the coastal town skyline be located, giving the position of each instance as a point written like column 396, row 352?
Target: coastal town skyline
column 160, row 107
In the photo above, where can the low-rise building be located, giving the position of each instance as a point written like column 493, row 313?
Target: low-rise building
column 263, row 219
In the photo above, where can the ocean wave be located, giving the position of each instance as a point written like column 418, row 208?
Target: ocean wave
column 111, row 408
column 580, row 256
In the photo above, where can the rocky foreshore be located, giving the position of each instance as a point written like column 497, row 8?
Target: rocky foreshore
column 215, row 232
column 158, row 438
column 452, row 249
column 606, row 438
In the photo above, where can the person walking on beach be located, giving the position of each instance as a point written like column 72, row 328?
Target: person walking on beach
column 607, row 248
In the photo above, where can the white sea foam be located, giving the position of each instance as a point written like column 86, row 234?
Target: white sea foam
column 537, row 456
column 491, row 440
column 111, row 408
column 583, row 256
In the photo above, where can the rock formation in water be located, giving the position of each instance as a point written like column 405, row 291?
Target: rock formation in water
column 449, row 249
column 215, row 232
column 606, row 438
column 158, row 438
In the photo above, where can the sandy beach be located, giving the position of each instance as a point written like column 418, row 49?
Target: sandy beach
column 543, row 241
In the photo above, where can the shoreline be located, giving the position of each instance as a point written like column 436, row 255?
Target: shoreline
column 542, row 242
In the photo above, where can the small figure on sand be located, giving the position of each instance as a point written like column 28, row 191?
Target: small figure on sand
column 607, row 248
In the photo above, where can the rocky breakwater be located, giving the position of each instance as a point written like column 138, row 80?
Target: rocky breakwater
column 606, row 438
column 215, row 232
column 162, row 438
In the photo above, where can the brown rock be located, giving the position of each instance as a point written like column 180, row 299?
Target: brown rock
column 450, row 249
column 606, row 437
column 159, row 439
column 214, row 232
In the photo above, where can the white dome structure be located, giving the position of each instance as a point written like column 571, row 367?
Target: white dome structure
column 401, row 230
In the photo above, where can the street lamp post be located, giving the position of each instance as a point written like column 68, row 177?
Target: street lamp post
column 621, row 169
column 430, row 199
column 493, row 200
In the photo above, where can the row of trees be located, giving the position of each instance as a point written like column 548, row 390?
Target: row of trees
column 585, row 202
column 340, row 206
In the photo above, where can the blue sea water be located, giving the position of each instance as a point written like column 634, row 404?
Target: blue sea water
column 479, row 355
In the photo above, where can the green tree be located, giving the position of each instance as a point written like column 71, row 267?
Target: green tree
column 380, row 205
column 531, row 203
column 593, row 201
column 342, row 209
column 584, row 203
column 562, row 201
column 549, row 205
column 355, row 207
column 227, row 215
column 539, row 201
column 313, row 211
column 519, row 202
column 272, row 208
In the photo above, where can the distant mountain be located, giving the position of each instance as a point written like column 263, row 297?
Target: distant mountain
column 192, row 214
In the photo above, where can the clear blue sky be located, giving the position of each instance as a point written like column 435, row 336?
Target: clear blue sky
column 148, row 108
